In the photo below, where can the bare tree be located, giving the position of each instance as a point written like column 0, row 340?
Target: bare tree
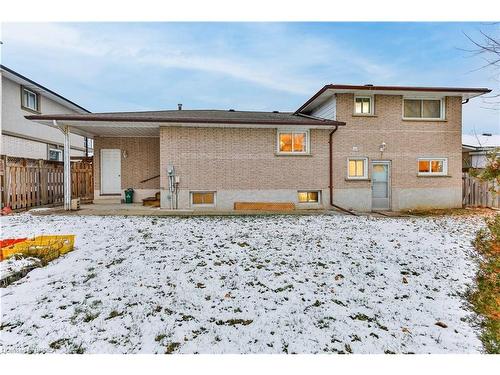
column 487, row 46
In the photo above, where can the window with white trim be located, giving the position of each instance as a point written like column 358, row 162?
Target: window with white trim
column 203, row 198
column 363, row 105
column 293, row 142
column 55, row 154
column 432, row 166
column 425, row 109
column 30, row 99
column 308, row 196
column 357, row 168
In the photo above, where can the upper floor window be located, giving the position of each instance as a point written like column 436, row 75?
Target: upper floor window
column 30, row 99
column 293, row 142
column 432, row 166
column 363, row 105
column 431, row 109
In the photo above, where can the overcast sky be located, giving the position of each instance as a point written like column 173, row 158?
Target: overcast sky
column 245, row 66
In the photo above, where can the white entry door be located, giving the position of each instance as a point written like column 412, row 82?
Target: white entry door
column 111, row 179
column 381, row 185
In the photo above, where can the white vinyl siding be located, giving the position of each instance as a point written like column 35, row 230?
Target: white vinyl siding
column 327, row 110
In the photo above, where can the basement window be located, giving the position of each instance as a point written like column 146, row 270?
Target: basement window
column 293, row 142
column 432, row 166
column 308, row 196
column 357, row 168
column 203, row 198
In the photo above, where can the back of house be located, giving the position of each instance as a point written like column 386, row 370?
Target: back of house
column 355, row 147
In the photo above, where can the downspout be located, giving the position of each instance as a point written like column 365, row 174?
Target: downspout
column 330, row 146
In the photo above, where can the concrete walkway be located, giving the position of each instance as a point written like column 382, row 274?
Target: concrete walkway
column 136, row 209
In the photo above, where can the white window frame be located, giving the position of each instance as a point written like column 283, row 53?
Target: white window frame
column 59, row 151
column 365, row 168
column 293, row 131
column 202, row 204
column 441, row 108
column 430, row 173
column 24, row 104
column 371, row 105
column 309, row 191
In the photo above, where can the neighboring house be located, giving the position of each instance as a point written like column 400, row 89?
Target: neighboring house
column 21, row 96
column 357, row 147
column 475, row 149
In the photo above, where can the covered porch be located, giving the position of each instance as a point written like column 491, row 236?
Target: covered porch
column 126, row 155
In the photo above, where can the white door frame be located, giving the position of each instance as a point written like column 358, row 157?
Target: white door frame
column 389, row 183
column 118, row 192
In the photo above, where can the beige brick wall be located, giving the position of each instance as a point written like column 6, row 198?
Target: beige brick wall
column 142, row 162
column 405, row 142
column 243, row 162
column 232, row 159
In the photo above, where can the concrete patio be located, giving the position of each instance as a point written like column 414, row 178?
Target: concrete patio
column 136, row 209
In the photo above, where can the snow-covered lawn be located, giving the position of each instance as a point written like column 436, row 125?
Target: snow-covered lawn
column 284, row 284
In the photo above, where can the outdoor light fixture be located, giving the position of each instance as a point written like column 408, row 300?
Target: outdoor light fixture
column 125, row 154
column 382, row 147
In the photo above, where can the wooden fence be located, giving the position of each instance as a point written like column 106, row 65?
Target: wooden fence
column 28, row 183
column 477, row 193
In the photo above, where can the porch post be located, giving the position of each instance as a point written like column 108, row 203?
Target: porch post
column 67, row 169
column 67, row 165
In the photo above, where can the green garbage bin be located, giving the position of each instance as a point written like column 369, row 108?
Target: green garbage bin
column 129, row 195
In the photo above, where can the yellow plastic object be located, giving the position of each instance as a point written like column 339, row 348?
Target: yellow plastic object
column 45, row 247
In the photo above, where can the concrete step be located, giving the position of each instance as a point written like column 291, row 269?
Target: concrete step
column 111, row 199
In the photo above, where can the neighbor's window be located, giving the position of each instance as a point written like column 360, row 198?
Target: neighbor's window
column 308, row 196
column 357, row 168
column 203, row 198
column 423, row 108
column 29, row 99
column 293, row 142
column 433, row 166
column 363, row 105
column 55, row 154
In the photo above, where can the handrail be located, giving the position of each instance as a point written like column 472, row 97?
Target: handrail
column 147, row 179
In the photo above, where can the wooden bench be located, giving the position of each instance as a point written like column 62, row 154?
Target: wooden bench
column 264, row 206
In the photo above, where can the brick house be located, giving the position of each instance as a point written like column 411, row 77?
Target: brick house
column 356, row 147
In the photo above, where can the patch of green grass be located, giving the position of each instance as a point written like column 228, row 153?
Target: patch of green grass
column 160, row 337
column 58, row 343
column 485, row 298
column 114, row 314
column 234, row 322
column 172, row 347
column 89, row 317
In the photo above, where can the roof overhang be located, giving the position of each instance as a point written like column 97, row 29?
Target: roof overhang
column 422, row 92
column 109, row 126
column 32, row 85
